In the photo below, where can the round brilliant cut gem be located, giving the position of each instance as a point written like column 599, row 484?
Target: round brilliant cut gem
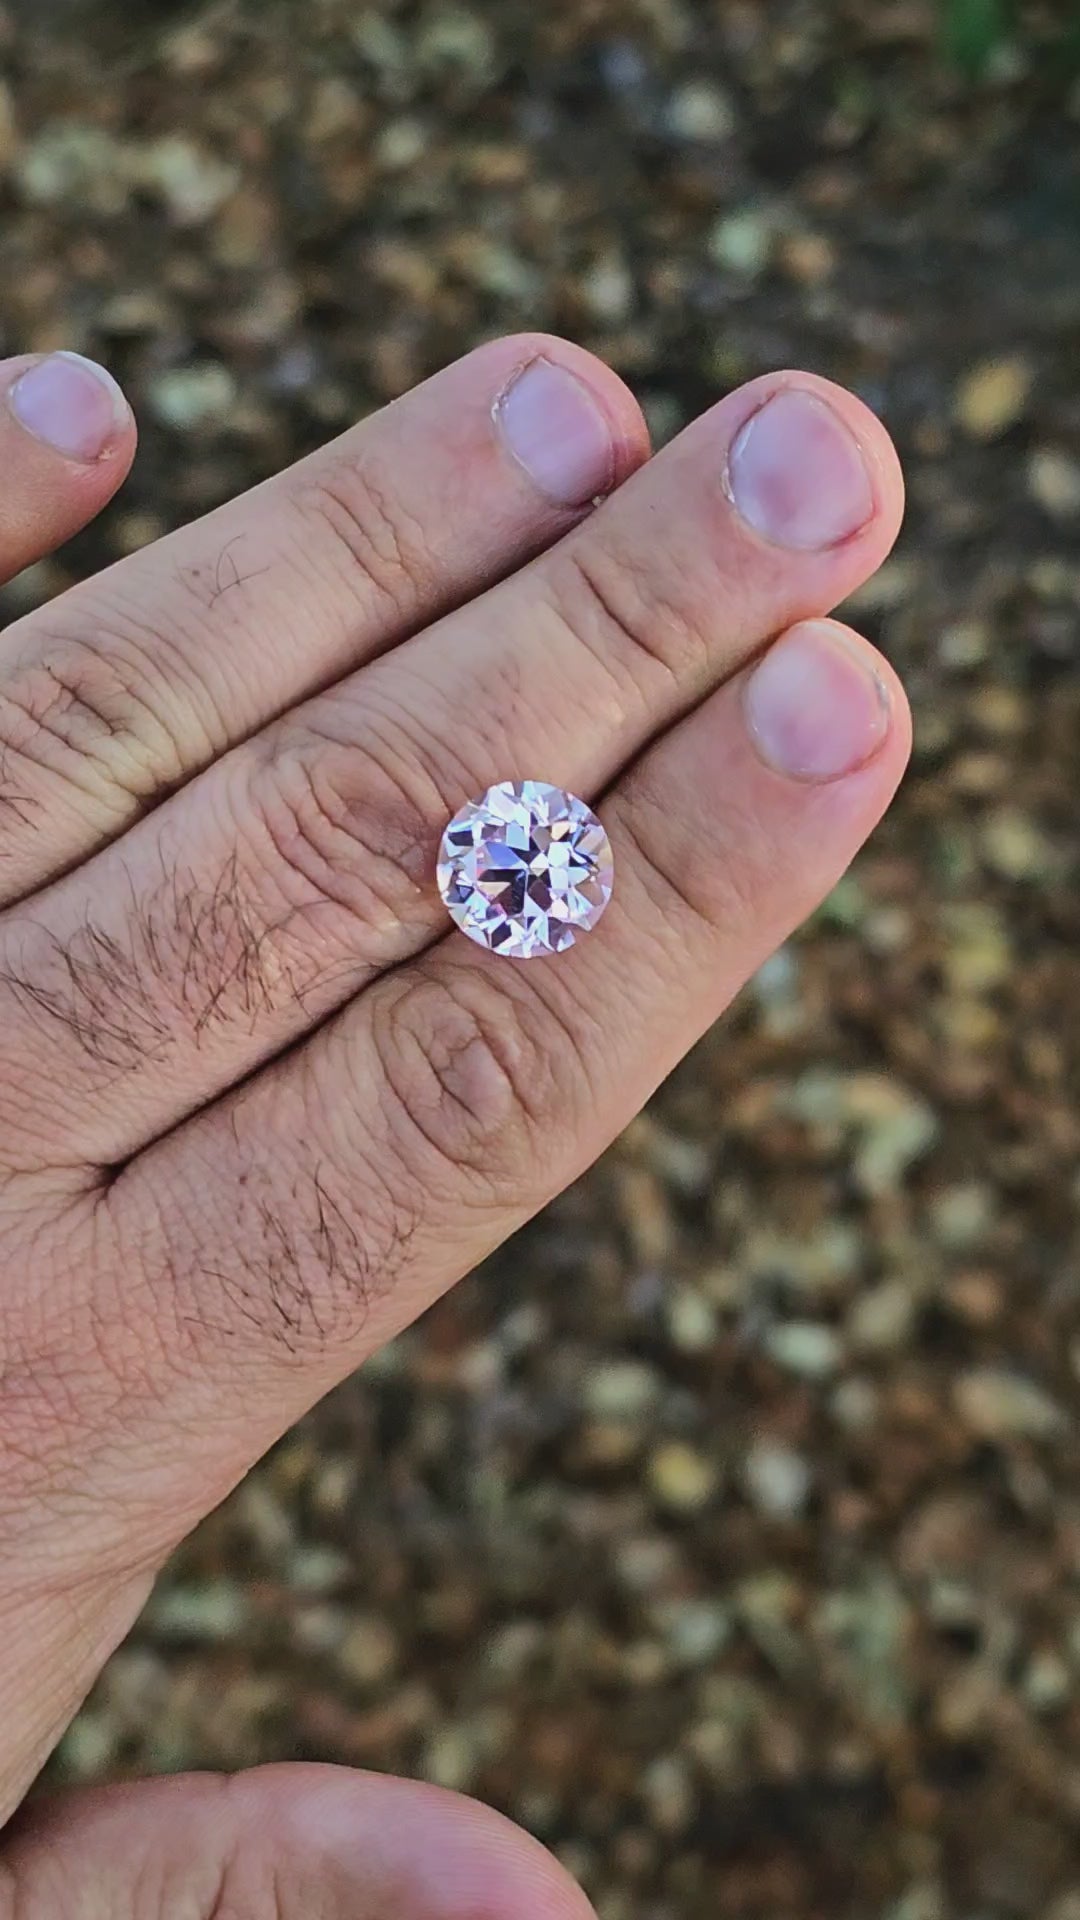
column 526, row 869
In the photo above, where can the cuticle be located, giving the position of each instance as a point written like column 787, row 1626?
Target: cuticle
column 522, row 367
column 836, row 637
column 545, row 360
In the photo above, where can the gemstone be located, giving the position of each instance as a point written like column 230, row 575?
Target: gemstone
column 526, row 869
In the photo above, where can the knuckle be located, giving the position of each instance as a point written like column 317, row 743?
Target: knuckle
column 350, row 827
column 381, row 547
column 475, row 1079
column 86, row 711
column 617, row 605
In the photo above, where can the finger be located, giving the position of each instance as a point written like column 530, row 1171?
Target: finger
column 287, row 1231
column 67, row 440
column 133, row 681
column 301, row 866
column 292, row 1841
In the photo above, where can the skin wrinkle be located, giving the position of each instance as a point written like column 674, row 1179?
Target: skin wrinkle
column 432, row 754
column 193, row 729
column 474, row 1070
column 58, row 704
column 414, row 777
column 69, row 704
column 663, row 883
column 15, row 805
column 643, row 619
column 76, row 717
column 128, row 672
column 590, row 590
column 321, row 794
column 354, row 506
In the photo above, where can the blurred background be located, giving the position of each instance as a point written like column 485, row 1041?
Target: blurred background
column 725, row 1530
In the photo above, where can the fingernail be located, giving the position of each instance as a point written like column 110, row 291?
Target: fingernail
column 796, row 474
column 72, row 404
column 557, row 432
column 815, row 706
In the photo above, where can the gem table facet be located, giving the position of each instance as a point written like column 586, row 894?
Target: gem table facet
column 525, row 869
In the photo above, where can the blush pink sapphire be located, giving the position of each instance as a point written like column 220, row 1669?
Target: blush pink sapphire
column 526, row 869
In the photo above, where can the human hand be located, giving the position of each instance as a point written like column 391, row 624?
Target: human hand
column 259, row 1104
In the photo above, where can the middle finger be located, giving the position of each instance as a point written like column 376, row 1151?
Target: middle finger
column 281, row 881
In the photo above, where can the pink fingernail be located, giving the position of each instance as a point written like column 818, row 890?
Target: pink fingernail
column 815, row 707
column 71, row 404
column 796, row 474
column 557, row 432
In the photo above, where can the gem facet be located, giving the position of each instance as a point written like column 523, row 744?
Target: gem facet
column 525, row 869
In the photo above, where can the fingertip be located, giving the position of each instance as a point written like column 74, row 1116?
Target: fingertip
column 331, row 1839
column 631, row 446
column 864, row 465
column 72, row 406
column 902, row 727
column 92, row 484
column 444, row 1855
column 67, row 441
column 875, row 443
column 896, row 746
column 822, row 704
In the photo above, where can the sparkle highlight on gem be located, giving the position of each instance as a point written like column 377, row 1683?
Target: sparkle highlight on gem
column 526, row 869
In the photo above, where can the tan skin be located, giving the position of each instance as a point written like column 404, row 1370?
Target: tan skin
column 259, row 1105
